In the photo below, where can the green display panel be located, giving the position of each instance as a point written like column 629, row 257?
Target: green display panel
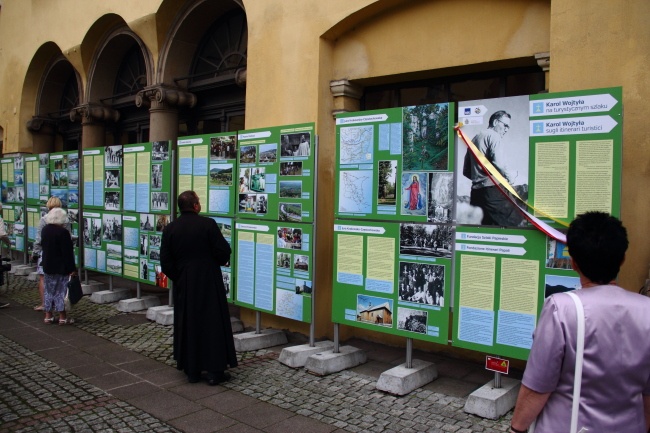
column 102, row 241
column 275, row 178
column 226, row 227
column 64, row 178
column 102, row 178
column 502, row 278
column 32, row 180
column 34, row 214
column 396, row 164
column 576, row 152
column 147, row 177
column 393, row 278
column 274, row 268
column 13, row 180
column 206, row 164
column 14, row 218
column 142, row 240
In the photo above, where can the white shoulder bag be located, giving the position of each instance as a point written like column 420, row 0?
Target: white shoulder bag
column 577, row 379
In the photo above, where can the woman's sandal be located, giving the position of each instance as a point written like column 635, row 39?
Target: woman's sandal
column 48, row 321
column 38, row 308
column 69, row 321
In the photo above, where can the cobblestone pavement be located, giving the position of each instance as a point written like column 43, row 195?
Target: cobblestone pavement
column 36, row 395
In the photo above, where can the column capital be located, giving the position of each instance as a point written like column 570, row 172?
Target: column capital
column 90, row 113
column 42, row 125
column 162, row 96
column 543, row 60
column 347, row 96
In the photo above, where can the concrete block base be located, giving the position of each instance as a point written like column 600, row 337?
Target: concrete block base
column 236, row 324
column 153, row 312
column 267, row 338
column 296, row 356
column 165, row 317
column 401, row 380
column 24, row 270
column 493, row 403
column 328, row 362
column 108, row 296
column 33, row 276
column 135, row 304
column 14, row 266
column 92, row 287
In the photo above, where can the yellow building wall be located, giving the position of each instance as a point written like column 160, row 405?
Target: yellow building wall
column 296, row 47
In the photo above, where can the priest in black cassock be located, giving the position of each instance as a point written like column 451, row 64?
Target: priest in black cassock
column 192, row 251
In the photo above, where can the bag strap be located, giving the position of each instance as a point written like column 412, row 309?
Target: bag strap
column 580, row 351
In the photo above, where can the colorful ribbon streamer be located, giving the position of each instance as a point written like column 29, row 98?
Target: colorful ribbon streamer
column 503, row 185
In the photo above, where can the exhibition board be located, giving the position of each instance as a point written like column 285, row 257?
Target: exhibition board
column 13, row 199
column 205, row 165
column 393, row 277
column 274, row 267
column 275, row 177
column 102, row 241
column 553, row 155
column 396, row 164
column 102, row 178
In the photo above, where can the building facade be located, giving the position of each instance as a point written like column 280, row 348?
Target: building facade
column 81, row 74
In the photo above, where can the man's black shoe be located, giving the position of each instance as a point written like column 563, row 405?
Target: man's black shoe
column 193, row 379
column 217, row 378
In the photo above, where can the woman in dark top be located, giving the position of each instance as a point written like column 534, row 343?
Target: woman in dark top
column 58, row 263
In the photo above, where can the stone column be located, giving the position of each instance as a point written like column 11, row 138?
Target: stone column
column 544, row 62
column 43, row 133
column 163, row 102
column 93, row 118
column 347, row 96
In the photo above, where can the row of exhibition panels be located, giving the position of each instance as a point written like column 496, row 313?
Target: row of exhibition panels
column 409, row 245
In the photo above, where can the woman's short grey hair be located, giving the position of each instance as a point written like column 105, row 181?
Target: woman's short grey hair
column 57, row 216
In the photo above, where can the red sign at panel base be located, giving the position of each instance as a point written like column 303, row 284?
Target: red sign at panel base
column 497, row 364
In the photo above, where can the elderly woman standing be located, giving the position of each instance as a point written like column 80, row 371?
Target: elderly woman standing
column 37, row 254
column 58, row 263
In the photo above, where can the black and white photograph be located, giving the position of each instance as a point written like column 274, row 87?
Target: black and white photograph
column 155, row 241
column 96, row 230
column 154, row 254
column 114, row 251
column 244, row 179
column 11, row 193
column 161, row 222
column 112, row 227
column 20, row 193
column 559, row 284
column 292, row 168
column 144, row 269
column 112, row 178
column 301, row 262
column 430, row 240
column 441, row 197
column 18, row 214
column 156, row 176
column 499, row 128
column 412, row 320
column 73, row 216
column 422, row 283
column 298, row 144
column 112, row 200
column 268, row 153
column 113, row 156
column 131, row 256
column 147, row 222
column 160, row 151
column 290, row 212
column 222, row 148
column 160, row 200
column 290, row 189
column 19, row 163
column 226, row 282
column 43, row 189
column 144, row 245
column 114, row 266
column 375, row 310
column 283, row 260
column 44, row 159
column 262, row 204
